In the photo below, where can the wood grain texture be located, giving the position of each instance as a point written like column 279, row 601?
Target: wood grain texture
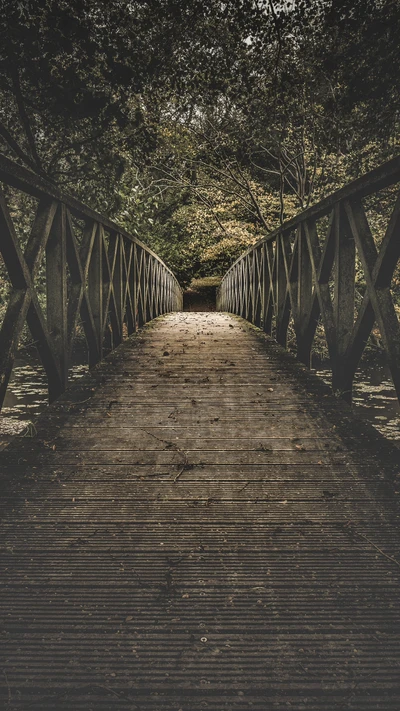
column 91, row 279
column 198, row 525
column 312, row 271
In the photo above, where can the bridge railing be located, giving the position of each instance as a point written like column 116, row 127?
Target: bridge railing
column 305, row 271
column 91, row 274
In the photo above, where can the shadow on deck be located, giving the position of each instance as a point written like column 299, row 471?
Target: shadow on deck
column 199, row 525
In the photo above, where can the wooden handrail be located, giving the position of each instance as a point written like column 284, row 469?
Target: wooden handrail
column 27, row 182
column 386, row 174
column 298, row 273
column 94, row 271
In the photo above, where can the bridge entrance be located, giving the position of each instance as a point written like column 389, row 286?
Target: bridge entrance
column 201, row 294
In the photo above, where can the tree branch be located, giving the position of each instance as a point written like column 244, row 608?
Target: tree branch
column 25, row 121
column 15, row 147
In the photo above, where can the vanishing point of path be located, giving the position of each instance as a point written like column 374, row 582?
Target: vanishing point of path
column 191, row 528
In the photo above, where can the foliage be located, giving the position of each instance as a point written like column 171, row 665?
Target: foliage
column 199, row 126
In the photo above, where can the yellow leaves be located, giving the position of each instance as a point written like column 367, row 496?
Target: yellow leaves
column 238, row 239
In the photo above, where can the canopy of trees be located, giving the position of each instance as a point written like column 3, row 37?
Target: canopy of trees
column 199, row 126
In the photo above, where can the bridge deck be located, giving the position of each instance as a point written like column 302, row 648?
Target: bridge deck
column 192, row 528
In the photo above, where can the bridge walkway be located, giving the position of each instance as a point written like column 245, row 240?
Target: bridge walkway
column 198, row 525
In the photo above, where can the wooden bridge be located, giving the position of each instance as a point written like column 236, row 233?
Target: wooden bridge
column 198, row 523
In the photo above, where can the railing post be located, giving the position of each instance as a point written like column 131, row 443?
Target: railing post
column 56, row 288
column 157, row 289
column 304, row 297
column 95, row 284
column 252, row 285
column 145, row 285
column 162, row 291
column 343, row 308
column 118, row 284
column 256, row 289
column 92, row 280
column 237, row 275
column 249, row 286
column 242, row 288
column 282, row 313
column 150, row 283
column 137, row 281
column 130, row 299
column 142, row 291
column 10, row 332
column 268, row 287
column 234, row 290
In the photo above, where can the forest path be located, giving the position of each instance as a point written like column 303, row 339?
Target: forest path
column 197, row 525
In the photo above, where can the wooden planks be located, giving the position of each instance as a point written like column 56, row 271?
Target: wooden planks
column 199, row 530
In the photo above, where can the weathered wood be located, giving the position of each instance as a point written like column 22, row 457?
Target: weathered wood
column 299, row 277
column 368, row 184
column 378, row 289
column 244, row 544
column 110, row 309
column 11, row 251
column 95, row 278
column 282, row 306
column 15, row 175
column 259, row 276
column 20, row 299
column 79, row 302
column 139, row 286
column 97, row 281
column 129, row 292
column 321, row 262
column 36, row 246
column 23, row 302
column 304, row 297
column 290, row 260
column 14, row 319
column 344, row 289
column 268, row 286
column 56, row 295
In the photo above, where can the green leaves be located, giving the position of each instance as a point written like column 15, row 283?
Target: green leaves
column 199, row 125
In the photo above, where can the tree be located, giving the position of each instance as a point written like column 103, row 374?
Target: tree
column 157, row 106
